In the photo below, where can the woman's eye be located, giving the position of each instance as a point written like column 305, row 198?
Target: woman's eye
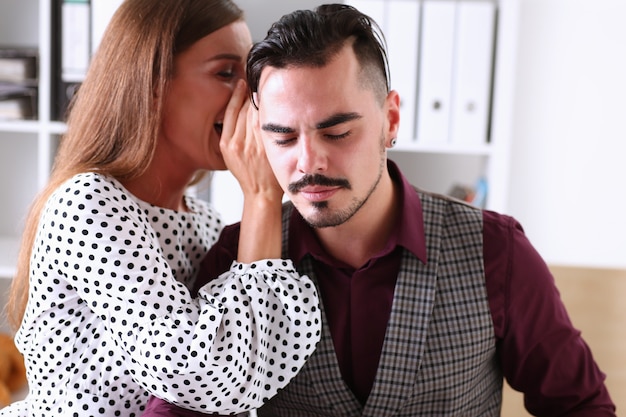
column 227, row 71
column 226, row 74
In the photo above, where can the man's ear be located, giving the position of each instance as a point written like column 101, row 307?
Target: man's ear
column 392, row 110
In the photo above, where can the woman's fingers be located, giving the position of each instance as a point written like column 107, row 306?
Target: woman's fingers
column 234, row 129
column 242, row 148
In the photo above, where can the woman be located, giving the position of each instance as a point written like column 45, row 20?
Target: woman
column 112, row 244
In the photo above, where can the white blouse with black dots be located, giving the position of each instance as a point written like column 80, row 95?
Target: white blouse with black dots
column 110, row 318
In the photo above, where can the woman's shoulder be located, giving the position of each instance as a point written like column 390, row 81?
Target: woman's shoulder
column 92, row 189
column 91, row 182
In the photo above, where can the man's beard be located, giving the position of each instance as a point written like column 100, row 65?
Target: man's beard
column 325, row 216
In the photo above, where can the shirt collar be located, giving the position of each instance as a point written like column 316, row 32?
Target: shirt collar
column 409, row 231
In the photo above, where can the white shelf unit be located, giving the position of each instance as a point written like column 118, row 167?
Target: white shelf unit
column 27, row 148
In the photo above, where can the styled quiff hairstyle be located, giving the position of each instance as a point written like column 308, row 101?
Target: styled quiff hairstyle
column 113, row 122
column 311, row 38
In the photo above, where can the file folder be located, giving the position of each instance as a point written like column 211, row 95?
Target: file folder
column 70, row 52
column 75, row 40
column 474, row 55
column 101, row 13
column 435, row 71
column 402, row 30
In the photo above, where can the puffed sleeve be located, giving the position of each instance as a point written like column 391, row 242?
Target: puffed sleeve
column 243, row 338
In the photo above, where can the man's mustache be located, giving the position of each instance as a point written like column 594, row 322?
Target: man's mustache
column 318, row 179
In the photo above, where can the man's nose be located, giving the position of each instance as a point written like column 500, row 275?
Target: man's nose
column 312, row 156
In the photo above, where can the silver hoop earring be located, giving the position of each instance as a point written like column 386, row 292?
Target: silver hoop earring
column 393, row 142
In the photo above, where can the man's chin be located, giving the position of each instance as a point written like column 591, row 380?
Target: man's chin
column 319, row 216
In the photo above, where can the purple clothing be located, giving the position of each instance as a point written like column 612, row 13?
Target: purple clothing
column 540, row 352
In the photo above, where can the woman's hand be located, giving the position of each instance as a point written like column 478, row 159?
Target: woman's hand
column 244, row 154
column 242, row 148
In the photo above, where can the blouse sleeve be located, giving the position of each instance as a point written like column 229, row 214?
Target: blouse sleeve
column 243, row 338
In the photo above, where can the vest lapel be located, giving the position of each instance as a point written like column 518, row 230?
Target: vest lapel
column 322, row 369
column 405, row 339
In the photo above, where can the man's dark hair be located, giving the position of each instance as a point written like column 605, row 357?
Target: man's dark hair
column 313, row 37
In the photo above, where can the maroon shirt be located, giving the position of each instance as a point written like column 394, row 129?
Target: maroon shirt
column 540, row 352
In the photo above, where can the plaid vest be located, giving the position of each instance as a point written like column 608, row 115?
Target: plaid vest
column 439, row 354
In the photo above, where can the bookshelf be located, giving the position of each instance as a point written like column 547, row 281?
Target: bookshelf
column 27, row 147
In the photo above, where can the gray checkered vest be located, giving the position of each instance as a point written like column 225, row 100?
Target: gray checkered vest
column 439, row 350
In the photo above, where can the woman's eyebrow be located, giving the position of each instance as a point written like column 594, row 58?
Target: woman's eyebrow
column 225, row 56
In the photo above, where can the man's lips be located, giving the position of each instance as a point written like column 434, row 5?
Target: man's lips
column 318, row 193
column 318, row 187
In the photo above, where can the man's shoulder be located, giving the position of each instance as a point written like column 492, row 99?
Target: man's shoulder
column 432, row 200
column 425, row 195
column 491, row 220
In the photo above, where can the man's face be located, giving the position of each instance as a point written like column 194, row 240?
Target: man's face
column 325, row 135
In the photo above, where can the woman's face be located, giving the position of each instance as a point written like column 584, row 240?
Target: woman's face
column 202, row 84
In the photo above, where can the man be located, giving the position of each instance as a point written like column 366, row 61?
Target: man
column 427, row 302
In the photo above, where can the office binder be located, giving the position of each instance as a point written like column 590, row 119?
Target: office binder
column 75, row 39
column 71, row 51
column 402, row 30
column 435, row 71
column 474, row 55
column 399, row 21
column 101, row 13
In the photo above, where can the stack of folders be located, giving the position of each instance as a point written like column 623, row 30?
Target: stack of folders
column 18, row 83
column 441, row 58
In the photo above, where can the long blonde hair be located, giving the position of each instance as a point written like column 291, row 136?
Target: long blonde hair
column 113, row 122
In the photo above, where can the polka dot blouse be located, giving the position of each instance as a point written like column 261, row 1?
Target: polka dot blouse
column 110, row 318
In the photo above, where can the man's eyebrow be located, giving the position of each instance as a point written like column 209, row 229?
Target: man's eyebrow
column 333, row 120
column 337, row 119
column 274, row 128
